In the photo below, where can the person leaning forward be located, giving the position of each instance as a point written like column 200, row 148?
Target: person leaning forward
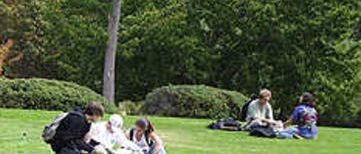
column 69, row 137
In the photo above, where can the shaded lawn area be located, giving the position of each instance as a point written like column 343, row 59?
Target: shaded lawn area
column 181, row 136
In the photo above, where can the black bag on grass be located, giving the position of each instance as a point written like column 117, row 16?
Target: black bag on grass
column 263, row 131
column 226, row 124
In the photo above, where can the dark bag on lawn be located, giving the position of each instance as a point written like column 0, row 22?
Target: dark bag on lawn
column 226, row 124
column 263, row 131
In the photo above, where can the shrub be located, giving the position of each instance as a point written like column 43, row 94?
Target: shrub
column 132, row 108
column 197, row 101
column 47, row 95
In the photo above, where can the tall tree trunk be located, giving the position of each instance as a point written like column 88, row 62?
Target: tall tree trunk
column 109, row 63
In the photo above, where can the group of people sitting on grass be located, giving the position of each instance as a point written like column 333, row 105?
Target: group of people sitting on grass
column 74, row 133
column 304, row 116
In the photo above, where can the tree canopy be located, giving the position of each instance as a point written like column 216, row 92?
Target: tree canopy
column 287, row 46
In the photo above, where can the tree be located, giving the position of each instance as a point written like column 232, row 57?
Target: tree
column 109, row 63
column 4, row 52
column 288, row 46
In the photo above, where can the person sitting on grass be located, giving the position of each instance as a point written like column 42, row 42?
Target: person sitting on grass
column 260, row 111
column 112, row 138
column 305, row 116
column 143, row 135
column 69, row 137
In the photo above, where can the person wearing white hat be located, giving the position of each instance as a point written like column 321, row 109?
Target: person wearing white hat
column 112, row 138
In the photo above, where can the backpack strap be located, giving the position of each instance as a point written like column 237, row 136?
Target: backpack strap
column 131, row 134
column 149, row 142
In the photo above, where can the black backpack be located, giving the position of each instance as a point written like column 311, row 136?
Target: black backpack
column 245, row 106
column 149, row 142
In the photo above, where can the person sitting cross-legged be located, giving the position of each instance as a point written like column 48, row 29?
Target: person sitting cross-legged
column 305, row 116
column 260, row 111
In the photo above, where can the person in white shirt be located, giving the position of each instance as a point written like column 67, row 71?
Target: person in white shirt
column 112, row 138
column 260, row 110
column 143, row 135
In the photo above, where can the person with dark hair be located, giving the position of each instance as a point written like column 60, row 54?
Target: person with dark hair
column 305, row 116
column 143, row 134
column 70, row 134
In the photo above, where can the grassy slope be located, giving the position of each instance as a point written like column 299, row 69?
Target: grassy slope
column 182, row 136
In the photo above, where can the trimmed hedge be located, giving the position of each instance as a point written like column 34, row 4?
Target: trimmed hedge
column 47, row 95
column 196, row 101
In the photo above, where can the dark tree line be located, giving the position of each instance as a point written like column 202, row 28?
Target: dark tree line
column 288, row 46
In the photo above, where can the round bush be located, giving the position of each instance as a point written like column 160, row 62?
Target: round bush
column 47, row 95
column 197, row 101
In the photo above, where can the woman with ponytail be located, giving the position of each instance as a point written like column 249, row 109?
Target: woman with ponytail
column 143, row 135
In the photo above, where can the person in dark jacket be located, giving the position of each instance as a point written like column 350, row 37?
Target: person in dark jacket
column 70, row 135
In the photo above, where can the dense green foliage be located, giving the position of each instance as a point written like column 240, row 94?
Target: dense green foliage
column 194, row 101
column 288, row 46
column 47, row 94
column 180, row 136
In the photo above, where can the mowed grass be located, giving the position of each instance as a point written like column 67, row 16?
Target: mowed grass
column 20, row 133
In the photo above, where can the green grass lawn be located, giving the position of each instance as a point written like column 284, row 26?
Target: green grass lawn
column 181, row 136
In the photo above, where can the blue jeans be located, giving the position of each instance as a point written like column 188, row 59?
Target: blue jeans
column 288, row 133
column 160, row 151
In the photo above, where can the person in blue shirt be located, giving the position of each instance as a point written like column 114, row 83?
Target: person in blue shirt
column 305, row 117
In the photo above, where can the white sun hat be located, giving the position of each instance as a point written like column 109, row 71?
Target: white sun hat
column 116, row 121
